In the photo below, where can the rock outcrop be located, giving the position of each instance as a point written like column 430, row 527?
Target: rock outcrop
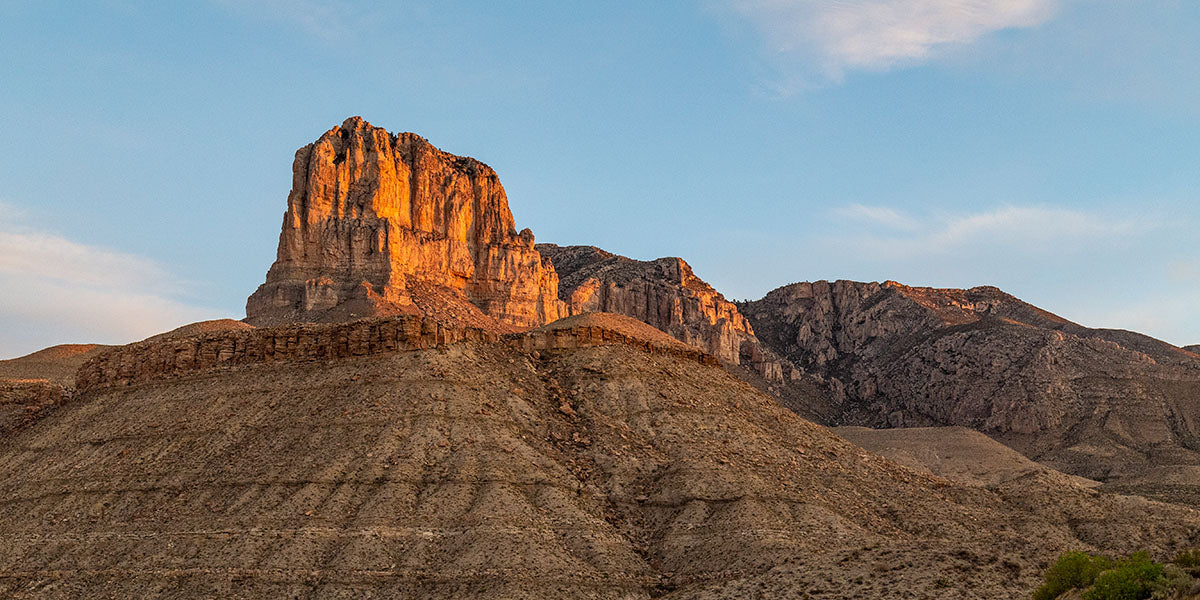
column 664, row 293
column 372, row 215
column 1194, row 348
column 177, row 355
column 23, row 401
column 1097, row 403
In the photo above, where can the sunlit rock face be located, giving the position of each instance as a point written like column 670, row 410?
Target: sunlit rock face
column 373, row 217
column 664, row 293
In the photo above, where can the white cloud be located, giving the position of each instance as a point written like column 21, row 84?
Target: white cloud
column 881, row 215
column 1020, row 229
column 834, row 36
column 38, row 255
column 54, row 290
column 1184, row 271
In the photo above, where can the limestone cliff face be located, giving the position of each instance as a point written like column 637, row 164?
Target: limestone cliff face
column 373, row 215
column 167, row 357
column 664, row 293
column 1095, row 402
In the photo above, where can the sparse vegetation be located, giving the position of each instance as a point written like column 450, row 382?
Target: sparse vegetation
column 1074, row 570
column 1136, row 577
column 1132, row 578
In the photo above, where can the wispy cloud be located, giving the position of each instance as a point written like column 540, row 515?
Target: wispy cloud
column 830, row 37
column 880, row 215
column 892, row 233
column 1184, row 271
column 54, row 290
column 39, row 255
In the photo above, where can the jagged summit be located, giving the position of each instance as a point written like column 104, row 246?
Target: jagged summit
column 956, row 306
column 371, row 215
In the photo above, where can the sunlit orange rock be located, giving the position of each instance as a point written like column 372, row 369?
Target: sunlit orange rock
column 371, row 214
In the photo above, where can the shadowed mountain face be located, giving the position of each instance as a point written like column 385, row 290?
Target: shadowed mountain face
column 593, row 458
column 1098, row 403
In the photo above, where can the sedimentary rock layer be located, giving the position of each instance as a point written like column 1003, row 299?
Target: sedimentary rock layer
column 370, row 211
column 157, row 359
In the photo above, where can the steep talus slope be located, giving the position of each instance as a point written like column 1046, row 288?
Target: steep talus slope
column 1102, row 404
column 374, row 220
column 664, row 293
column 578, row 460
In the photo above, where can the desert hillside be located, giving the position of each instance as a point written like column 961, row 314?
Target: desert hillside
column 579, row 460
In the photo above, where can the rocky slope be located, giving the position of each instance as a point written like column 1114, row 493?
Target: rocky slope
column 33, row 385
column 1098, row 403
column 664, row 293
column 1194, row 349
column 591, row 458
column 56, row 364
column 23, row 401
column 378, row 222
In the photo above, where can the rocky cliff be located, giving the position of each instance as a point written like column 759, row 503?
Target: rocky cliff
column 1099, row 403
column 664, row 293
column 377, row 222
column 176, row 355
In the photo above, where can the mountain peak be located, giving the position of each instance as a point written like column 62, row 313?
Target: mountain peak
column 372, row 215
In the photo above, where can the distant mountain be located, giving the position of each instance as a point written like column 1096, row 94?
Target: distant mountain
column 33, row 385
column 56, row 364
column 1099, row 403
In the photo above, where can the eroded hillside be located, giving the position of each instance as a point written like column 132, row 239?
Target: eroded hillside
column 582, row 460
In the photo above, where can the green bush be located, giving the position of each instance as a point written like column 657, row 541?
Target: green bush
column 1133, row 578
column 1188, row 559
column 1175, row 584
column 1073, row 570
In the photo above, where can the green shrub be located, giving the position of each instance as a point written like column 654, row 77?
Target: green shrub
column 1188, row 559
column 1073, row 570
column 1132, row 578
column 1175, row 584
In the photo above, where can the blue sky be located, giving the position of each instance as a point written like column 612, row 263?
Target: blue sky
column 1048, row 147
